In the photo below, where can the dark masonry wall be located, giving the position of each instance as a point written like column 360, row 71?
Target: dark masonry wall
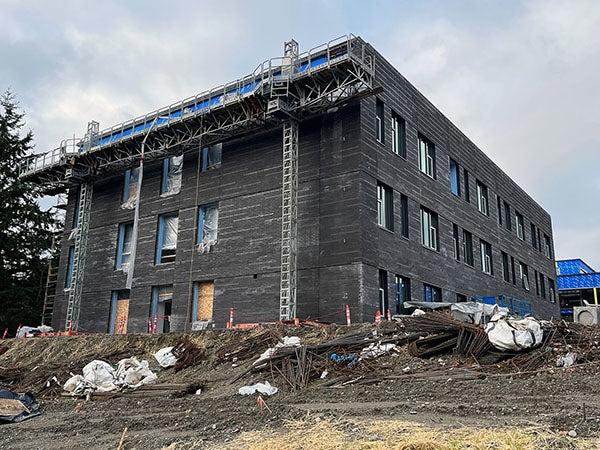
column 341, row 246
column 245, row 262
column 389, row 251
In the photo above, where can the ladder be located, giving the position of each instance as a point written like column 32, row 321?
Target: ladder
column 51, row 283
column 79, row 253
column 289, row 194
column 289, row 222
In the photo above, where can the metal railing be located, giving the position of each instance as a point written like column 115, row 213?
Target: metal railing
column 318, row 58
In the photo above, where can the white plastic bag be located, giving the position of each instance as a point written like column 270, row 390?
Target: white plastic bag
column 165, row 357
column 263, row 388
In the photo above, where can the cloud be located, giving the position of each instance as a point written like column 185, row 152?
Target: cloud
column 519, row 78
column 526, row 93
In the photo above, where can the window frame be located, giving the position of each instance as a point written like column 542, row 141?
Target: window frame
column 385, row 206
column 505, row 267
column 398, row 135
column 483, row 204
column 469, row 256
column 122, row 233
column 487, row 261
column 379, row 121
column 383, row 292
column 160, row 236
column 427, row 157
column 456, row 241
column 524, row 276
column 520, row 225
column 454, row 173
column 435, row 291
column 402, row 284
column 404, row 217
column 430, row 220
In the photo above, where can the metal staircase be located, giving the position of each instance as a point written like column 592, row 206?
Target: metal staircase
column 280, row 92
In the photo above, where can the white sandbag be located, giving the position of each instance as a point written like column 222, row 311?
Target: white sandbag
column 263, row 388
column 132, row 373
column 100, row 375
column 75, row 384
column 514, row 334
column 165, row 357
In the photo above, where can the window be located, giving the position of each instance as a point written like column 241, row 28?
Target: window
column 385, row 211
column 537, row 283
column 383, row 292
column 482, row 198
column 456, row 240
column 124, row 246
column 533, row 236
column 429, row 229
column 499, row 209
column 520, row 225
column 468, row 247
column 512, row 268
column 551, row 290
column 379, row 122
column 487, row 265
column 547, row 246
column 505, row 267
column 171, row 175
column 398, row 135
column 160, row 309
column 75, row 222
column 119, row 312
column 404, row 226
column 467, row 189
column 402, row 293
column 208, row 227
column 539, row 239
column 70, row 267
column 130, row 187
column 524, row 275
column 542, row 285
column 211, row 157
column 431, row 293
column 507, row 217
column 454, row 178
column 426, row 156
column 202, row 306
column 461, row 298
column 166, row 240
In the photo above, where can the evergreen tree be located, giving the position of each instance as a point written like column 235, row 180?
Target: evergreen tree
column 25, row 230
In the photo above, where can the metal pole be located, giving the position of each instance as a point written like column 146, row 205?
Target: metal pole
column 136, row 215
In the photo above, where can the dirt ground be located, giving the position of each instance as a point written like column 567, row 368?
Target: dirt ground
column 564, row 403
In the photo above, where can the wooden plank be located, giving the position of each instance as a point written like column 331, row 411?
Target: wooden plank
column 206, row 295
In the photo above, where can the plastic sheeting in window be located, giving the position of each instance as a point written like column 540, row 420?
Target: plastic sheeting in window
column 174, row 175
column 209, row 229
column 170, row 229
column 131, row 194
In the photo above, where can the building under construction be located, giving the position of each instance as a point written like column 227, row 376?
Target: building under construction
column 322, row 179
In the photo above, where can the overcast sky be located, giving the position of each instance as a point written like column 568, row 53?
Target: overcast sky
column 521, row 79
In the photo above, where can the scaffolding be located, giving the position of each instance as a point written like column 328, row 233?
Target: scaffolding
column 280, row 92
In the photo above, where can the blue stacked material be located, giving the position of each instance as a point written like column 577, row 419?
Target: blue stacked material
column 581, row 281
column 576, row 274
column 573, row 267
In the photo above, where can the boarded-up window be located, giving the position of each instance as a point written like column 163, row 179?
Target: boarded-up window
column 204, row 294
column 119, row 312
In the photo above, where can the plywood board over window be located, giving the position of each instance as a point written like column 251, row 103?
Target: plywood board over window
column 203, row 300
